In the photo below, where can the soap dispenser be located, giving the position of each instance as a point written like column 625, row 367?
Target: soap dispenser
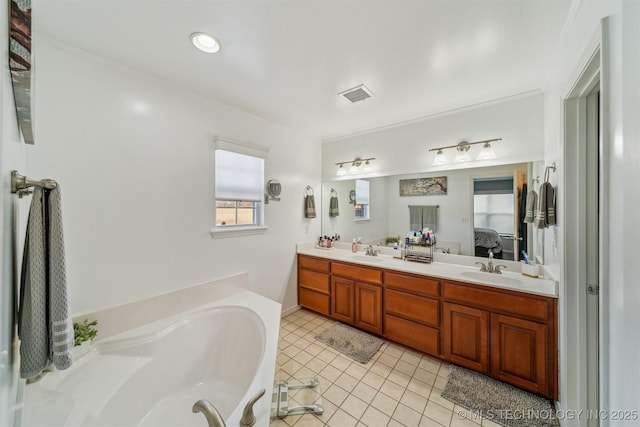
column 354, row 246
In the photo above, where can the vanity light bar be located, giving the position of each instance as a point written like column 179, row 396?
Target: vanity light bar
column 355, row 164
column 465, row 144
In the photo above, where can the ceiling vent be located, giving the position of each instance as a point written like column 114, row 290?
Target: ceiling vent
column 356, row 94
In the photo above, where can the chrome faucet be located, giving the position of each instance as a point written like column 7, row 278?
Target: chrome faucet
column 490, row 268
column 248, row 418
column 210, row 412
column 372, row 252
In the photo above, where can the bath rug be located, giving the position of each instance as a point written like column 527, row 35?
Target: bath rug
column 356, row 344
column 497, row 401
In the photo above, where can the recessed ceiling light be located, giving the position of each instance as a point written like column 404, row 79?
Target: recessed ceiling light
column 205, row 42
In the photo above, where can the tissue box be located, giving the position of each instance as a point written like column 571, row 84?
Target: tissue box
column 530, row 270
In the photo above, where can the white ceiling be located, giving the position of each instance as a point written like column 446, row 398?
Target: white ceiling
column 286, row 61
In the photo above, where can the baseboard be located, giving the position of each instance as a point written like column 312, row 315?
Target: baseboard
column 290, row 310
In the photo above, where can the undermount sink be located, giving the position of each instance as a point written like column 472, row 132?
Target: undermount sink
column 491, row 277
column 365, row 258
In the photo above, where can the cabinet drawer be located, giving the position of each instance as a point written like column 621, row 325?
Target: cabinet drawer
column 499, row 301
column 416, row 285
column 357, row 273
column 412, row 307
column 412, row 334
column 313, row 300
column 314, row 263
column 313, row 280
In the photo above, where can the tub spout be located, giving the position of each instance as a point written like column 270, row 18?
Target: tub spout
column 210, row 412
column 248, row 417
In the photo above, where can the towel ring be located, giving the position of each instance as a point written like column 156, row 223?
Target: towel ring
column 308, row 191
column 334, row 193
column 546, row 171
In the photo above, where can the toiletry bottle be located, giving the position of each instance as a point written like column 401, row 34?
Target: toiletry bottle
column 354, row 246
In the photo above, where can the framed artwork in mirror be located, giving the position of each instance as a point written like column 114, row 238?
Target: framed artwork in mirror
column 435, row 186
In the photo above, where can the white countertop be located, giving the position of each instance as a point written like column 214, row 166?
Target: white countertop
column 511, row 279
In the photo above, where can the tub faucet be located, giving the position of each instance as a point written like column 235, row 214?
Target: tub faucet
column 248, row 417
column 210, row 412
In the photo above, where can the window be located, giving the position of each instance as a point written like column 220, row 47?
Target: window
column 362, row 200
column 239, row 188
column 493, row 204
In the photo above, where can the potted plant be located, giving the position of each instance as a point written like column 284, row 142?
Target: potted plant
column 83, row 334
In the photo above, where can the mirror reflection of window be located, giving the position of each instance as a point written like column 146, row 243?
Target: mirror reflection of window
column 362, row 200
column 493, row 211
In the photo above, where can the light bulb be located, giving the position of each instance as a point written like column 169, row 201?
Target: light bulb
column 440, row 159
column 341, row 171
column 487, row 152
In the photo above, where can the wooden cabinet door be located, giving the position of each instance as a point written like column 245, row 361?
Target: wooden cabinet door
column 519, row 352
column 465, row 336
column 342, row 300
column 369, row 307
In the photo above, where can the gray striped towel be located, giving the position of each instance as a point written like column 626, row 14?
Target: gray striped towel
column 546, row 214
column 44, row 324
column 531, row 207
column 309, row 206
column 333, row 207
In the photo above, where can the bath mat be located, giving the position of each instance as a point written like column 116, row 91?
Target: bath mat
column 499, row 402
column 356, row 344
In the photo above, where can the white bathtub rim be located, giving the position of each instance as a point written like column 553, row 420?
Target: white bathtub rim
column 268, row 310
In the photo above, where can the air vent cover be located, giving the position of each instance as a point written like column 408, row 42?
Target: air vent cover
column 358, row 93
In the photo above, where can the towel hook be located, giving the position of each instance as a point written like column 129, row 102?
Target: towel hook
column 546, row 171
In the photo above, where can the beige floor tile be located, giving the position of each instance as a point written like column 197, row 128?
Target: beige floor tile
column 308, row 420
column 405, row 367
column 292, row 419
column 407, row 416
column 438, row 413
column 342, row 419
column 436, row 396
column 364, row 392
column 394, row 423
column 430, row 364
column 277, row 423
column 444, row 370
column 440, row 383
column 303, row 357
column 354, row 406
column 464, row 413
column 291, row 367
column 356, row 370
column 302, row 343
column 388, row 360
column 341, row 363
column 420, row 388
column 347, row 382
column 331, row 373
column 381, row 369
column 392, row 390
column 414, row 401
column 335, row 395
column 411, row 357
column 316, row 364
column 329, row 410
column 372, row 379
column 305, row 373
column 428, row 422
column 314, row 349
column 425, row 376
column 326, row 355
column 290, row 338
column 394, row 351
column 374, row 418
column 399, row 378
column 291, row 351
column 384, row 403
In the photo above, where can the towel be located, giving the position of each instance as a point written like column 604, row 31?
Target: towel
column 546, row 214
column 333, row 207
column 421, row 217
column 309, row 206
column 531, row 208
column 44, row 324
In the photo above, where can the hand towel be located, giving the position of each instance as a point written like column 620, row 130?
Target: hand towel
column 44, row 326
column 333, row 207
column 531, row 207
column 421, row 217
column 309, row 206
column 546, row 214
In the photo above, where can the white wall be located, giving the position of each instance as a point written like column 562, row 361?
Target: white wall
column 11, row 157
column 403, row 149
column 134, row 159
column 620, row 294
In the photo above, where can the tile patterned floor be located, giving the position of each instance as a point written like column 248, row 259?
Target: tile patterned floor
column 397, row 387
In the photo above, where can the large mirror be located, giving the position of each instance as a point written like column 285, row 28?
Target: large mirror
column 471, row 204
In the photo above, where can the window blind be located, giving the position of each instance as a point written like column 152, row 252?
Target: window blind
column 362, row 192
column 239, row 177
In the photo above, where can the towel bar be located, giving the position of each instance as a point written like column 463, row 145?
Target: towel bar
column 20, row 184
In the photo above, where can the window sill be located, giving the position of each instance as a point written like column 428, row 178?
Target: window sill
column 223, row 233
column 362, row 219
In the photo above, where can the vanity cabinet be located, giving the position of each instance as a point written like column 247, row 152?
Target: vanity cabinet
column 314, row 284
column 507, row 334
column 412, row 311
